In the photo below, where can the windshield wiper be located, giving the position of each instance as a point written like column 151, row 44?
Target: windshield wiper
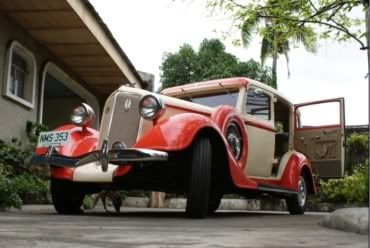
column 186, row 94
column 226, row 90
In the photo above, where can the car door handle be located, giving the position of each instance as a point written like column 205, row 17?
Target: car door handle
column 302, row 140
column 316, row 137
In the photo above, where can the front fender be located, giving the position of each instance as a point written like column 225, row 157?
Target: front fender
column 81, row 141
column 175, row 133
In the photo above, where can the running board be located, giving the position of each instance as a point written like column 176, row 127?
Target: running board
column 275, row 189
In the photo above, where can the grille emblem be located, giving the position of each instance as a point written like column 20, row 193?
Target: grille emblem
column 127, row 105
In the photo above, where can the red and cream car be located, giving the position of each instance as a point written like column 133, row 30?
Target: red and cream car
column 203, row 140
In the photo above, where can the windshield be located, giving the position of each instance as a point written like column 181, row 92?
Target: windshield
column 214, row 100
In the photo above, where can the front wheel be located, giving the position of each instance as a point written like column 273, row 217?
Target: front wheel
column 199, row 179
column 297, row 204
column 66, row 198
column 214, row 202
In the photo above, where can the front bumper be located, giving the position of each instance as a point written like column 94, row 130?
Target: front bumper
column 104, row 157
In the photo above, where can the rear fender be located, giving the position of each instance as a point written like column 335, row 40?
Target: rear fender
column 297, row 164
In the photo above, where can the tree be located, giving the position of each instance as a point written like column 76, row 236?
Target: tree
column 332, row 16
column 210, row 62
column 275, row 40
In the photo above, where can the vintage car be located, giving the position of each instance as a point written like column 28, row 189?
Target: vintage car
column 203, row 140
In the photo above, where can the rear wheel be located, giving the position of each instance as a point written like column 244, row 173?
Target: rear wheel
column 66, row 198
column 199, row 179
column 297, row 204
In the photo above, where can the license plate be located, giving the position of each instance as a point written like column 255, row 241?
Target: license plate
column 53, row 138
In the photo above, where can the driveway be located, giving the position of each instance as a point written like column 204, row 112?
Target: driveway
column 148, row 228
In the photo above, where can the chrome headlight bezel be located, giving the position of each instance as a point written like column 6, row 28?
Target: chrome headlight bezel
column 151, row 107
column 83, row 115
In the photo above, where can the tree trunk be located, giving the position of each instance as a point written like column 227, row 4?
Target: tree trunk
column 274, row 70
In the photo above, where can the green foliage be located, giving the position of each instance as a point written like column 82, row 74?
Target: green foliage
column 33, row 130
column 134, row 193
column 210, row 62
column 8, row 195
column 350, row 189
column 293, row 19
column 12, row 153
column 261, row 17
column 357, row 150
column 31, row 189
column 353, row 188
column 19, row 182
column 87, row 202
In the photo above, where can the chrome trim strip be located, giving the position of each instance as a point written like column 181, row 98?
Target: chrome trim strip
column 118, row 156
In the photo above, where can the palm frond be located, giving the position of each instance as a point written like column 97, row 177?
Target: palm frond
column 308, row 38
column 248, row 27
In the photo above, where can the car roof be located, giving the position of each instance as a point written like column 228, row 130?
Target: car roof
column 235, row 82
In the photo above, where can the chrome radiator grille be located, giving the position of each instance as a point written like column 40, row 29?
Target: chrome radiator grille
column 121, row 119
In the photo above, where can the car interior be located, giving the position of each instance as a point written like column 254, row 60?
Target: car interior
column 282, row 113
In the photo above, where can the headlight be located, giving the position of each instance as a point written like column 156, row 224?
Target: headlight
column 234, row 139
column 83, row 115
column 151, row 107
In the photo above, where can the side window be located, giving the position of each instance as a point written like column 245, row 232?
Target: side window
column 307, row 115
column 21, row 75
column 258, row 104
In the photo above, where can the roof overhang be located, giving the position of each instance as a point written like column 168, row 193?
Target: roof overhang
column 75, row 34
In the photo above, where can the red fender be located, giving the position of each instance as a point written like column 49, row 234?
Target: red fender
column 296, row 164
column 81, row 141
column 222, row 117
column 289, row 180
column 175, row 133
column 179, row 131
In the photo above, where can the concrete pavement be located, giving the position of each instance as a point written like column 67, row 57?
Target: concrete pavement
column 145, row 228
column 347, row 219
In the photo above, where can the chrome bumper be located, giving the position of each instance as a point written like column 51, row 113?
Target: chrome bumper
column 119, row 157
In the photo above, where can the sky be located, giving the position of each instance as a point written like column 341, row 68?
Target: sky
column 146, row 29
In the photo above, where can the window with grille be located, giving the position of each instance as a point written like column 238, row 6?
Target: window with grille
column 21, row 75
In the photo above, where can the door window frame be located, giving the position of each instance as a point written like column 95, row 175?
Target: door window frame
column 341, row 118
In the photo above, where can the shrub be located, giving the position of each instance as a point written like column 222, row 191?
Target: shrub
column 351, row 189
column 13, row 154
column 88, row 202
column 31, row 189
column 357, row 150
column 33, row 130
column 21, row 183
column 8, row 196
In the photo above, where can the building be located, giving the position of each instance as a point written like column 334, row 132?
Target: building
column 55, row 54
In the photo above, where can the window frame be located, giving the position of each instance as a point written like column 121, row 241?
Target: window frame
column 268, row 94
column 29, row 57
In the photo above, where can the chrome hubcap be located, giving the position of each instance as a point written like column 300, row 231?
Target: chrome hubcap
column 301, row 192
column 233, row 136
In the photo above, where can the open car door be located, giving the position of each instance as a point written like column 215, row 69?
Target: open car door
column 320, row 134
